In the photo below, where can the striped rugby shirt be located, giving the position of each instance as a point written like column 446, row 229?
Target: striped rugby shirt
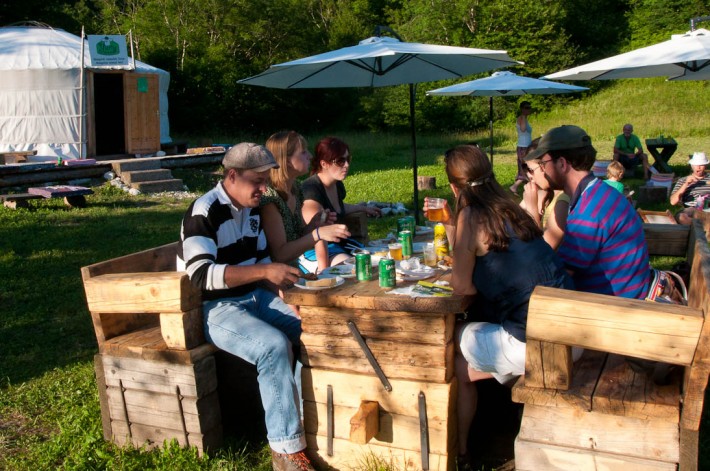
column 604, row 243
column 215, row 234
column 701, row 188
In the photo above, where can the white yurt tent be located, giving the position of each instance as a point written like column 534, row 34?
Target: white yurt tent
column 126, row 111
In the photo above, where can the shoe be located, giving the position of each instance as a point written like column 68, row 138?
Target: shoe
column 291, row 461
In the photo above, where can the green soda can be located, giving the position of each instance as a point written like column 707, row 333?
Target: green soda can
column 405, row 238
column 363, row 265
column 388, row 276
column 402, row 224
column 412, row 225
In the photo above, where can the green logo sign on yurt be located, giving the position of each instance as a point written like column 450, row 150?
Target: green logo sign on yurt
column 108, row 50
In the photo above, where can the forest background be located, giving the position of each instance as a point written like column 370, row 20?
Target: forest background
column 208, row 45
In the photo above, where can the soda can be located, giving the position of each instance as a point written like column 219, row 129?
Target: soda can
column 412, row 223
column 403, row 224
column 441, row 242
column 405, row 238
column 363, row 265
column 388, row 275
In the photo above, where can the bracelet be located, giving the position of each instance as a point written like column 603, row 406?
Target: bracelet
column 317, row 235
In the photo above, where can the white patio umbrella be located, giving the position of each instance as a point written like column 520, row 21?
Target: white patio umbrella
column 684, row 57
column 382, row 61
column 504, row 83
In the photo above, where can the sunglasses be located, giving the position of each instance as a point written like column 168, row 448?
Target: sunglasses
column 341, row 161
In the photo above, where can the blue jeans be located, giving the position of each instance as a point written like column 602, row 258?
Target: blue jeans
column 260, row 328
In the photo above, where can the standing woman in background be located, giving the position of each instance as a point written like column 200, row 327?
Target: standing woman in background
column 524, row 131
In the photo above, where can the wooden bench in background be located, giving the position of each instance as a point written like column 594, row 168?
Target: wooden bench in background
column 598, row 413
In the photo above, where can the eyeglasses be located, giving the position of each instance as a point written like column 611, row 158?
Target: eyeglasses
column 527, row 168
column 341, row 161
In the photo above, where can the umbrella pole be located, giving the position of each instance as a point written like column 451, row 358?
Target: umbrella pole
column 412, row 98
column 490, row 121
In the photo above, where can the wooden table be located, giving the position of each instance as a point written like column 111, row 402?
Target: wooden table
column 406, row 413
column 662, row 150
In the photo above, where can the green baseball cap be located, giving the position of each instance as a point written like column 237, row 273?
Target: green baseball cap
column 560, row 138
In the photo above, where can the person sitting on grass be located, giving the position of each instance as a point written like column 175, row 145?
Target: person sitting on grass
column 629, row 151
column 223, row 249
column 692, row 189
column 614, row 174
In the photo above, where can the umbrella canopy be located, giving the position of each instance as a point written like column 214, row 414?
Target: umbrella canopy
column 504, row 83
column 382, row 61
column 684, row 56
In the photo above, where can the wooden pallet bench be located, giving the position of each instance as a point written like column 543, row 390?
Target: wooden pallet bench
column 598, row 413
column 18, row 200
column 156, row 376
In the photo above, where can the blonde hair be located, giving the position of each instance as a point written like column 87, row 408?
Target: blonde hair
column 282, row 145
column 615, row 170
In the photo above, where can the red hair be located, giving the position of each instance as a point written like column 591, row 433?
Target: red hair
column 328, row 149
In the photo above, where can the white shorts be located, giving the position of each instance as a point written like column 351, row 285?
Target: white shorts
column 491, row 349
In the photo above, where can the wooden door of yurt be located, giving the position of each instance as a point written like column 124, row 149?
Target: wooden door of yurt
column 142, row 114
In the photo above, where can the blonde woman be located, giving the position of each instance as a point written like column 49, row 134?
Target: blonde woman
column 282, row 203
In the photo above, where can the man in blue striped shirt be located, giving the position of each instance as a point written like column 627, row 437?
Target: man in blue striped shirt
column 224, row 252
column 603, row 247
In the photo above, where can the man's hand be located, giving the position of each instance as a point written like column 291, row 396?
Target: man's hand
column 282, row 275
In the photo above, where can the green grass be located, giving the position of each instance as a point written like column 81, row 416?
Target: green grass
column 49, row 411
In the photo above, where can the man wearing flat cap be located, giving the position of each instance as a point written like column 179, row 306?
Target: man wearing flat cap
column 693, row 190
column 223, row 249
column 603, row 247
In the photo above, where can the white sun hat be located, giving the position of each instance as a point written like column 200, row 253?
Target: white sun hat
column 698, row 159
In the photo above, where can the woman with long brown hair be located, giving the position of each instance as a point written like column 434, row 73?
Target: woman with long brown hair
column 499, row 255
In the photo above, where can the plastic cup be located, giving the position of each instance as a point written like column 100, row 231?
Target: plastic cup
column 395, row 251
column 435, row 209
column 430, row 255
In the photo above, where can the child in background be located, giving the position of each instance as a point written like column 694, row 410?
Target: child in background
column 614, row 174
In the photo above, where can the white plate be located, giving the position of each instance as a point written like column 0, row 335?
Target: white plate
column 419, row 274
column 415, row 275
column 302, row 284
column 345, row 270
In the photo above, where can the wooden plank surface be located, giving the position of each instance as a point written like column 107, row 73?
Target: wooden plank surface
column 398, row 360
column 152, row 437
column 160, row 258
column 666, row 239
column 417, row 328
column 196, row 380
column 141, row 292
column 182, row 330
column 351, row 389
column 103, row 398
column 148, row 344
column 579, row 395
column 621, row 391
column 644, row 439
column 162, row 410
column 110, row 325
column 536, row 456
column 368, row 295
column 396, row 430
column 653, row 331
column 351, row 456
